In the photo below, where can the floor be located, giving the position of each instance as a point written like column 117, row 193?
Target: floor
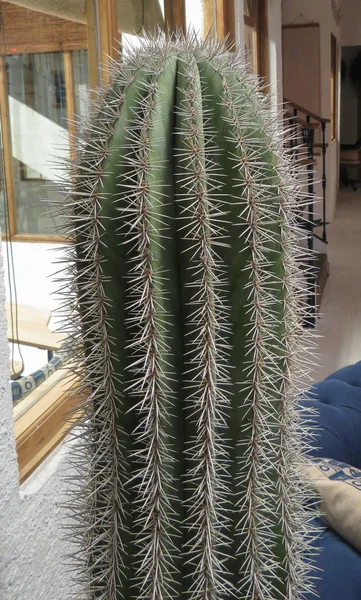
column 340, row 323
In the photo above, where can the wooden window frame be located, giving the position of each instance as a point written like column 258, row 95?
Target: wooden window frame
column 333, row 87
column 9, row 182
column 175, row 15
column 43, row 419
column 260, row 23
column 219, row 20
column 98, row 56
column 102, row 44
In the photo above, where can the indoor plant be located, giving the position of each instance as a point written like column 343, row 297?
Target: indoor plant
column 188, row 305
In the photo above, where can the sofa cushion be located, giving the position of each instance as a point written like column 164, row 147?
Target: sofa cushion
column 337, row 422
column 337, row 567
column 339, row 488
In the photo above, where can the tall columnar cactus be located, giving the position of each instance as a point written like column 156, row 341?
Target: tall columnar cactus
column 185, row 272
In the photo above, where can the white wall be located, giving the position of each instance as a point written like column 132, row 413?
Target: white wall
column 320, row 11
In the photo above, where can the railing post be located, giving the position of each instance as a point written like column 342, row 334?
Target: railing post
column 295, row 131
column 310, row 320
column 324, row 183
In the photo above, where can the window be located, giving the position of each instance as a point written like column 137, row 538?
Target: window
column 333, row 87
column 38, row 111
column 256, row 36
column 37, row 98
column 44, row 80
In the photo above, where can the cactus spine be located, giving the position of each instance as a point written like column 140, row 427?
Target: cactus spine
column 188, row 328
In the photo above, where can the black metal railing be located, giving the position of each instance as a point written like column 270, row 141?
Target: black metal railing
column 304, row 125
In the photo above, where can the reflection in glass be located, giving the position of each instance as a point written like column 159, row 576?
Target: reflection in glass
column 133, row 40
column 81, row 84
column 250, row 44
column 249, row 8
column 37, row 106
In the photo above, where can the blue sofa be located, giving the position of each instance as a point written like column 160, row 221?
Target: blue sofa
column 338, row 401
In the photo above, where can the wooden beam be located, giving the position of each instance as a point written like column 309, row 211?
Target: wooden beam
column 7, row 147
column 103, row 38
column 175, row 15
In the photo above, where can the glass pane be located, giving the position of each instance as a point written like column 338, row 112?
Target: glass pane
column 37, row 105
column 131, row 40
column 81, row 83
column 194, row 16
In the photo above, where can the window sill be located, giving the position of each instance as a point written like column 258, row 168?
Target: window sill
column 37, row 238
column 42, row 421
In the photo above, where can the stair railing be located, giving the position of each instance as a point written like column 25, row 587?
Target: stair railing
column 303, row 124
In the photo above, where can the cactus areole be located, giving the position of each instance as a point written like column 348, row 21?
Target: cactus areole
column 183, row 208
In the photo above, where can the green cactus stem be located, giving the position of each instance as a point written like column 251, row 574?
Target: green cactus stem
column 188, row 335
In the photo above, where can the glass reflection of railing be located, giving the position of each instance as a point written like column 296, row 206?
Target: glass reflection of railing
column 49, row 88
column 49, row 100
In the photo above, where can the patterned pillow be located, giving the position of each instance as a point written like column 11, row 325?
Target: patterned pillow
column 24, row 385
column 339, row 488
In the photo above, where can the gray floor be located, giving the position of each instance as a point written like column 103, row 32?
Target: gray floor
column 340, row 323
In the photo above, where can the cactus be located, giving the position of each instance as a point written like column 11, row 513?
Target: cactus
column 188, row 335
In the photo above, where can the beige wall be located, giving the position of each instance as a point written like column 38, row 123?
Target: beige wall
column 351, row 23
